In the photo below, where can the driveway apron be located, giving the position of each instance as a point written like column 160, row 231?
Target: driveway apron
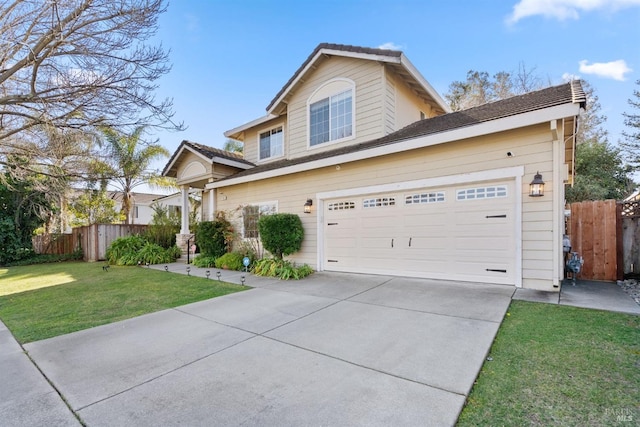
column 334, row 349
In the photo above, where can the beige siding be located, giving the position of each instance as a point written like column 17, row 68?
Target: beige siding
column 531, row 147
column 390, row 106
column 408, row 106
column 367, row 78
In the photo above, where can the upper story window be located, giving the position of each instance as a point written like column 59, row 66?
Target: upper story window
column 271, row 143
column 331, row 112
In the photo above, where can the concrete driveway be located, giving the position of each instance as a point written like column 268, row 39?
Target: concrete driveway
column 333, row 349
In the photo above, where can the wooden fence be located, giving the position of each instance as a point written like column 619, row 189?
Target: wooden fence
column 594, row 229
column 95, row 239
column 54, row 244
column 92, row 239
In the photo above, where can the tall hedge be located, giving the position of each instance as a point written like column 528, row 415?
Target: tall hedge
column 211, row 237
column 281, row 234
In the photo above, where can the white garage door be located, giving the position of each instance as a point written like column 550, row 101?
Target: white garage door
column 464, row 232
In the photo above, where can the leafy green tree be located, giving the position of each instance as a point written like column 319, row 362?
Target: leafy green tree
column 631, row 143
column 281, row 234
column 24, row 207
column 163, row 228
column 127, row 164
column 600, row 172
column 233, row 146
column 94, row 207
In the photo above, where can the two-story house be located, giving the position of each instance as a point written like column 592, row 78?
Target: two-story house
column 387, row 180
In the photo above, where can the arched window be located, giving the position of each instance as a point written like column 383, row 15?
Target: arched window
column 331, row 112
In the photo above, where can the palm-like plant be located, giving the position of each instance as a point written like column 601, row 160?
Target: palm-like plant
column 128, row 164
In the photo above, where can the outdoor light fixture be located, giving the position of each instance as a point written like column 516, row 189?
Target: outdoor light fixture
column 166, row 268
column 218, row 275
column 242, row 279
column 188, row 271
column 536, row 188
column 148, row 264
column 307, row 206
column 207, row 273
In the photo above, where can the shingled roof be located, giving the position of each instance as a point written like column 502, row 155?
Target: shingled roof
column 206, row 151
column 553, row 96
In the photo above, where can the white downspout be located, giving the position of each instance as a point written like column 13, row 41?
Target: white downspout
column 184, row 229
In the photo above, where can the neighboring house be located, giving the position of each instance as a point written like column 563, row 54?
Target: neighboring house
column 395, row 183
column 142, row 209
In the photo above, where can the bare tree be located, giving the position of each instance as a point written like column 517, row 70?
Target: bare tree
column 75, row 65
column 480, row 88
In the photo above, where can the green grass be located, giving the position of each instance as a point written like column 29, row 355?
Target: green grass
column 44, row 301
column 558, row 365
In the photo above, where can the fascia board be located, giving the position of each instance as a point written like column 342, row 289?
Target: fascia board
column 250, row 124
column 485, row 128
column 424, row 83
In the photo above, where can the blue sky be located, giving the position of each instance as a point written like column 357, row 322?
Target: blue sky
column 230, row 58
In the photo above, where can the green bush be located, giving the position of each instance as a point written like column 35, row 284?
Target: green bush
column 135, row 250
column 204, row 261
column 124, row 247
column 163, row 228
column 281, row 234
column 212, row 237
column 285, row 270
column 47, row 258
column 230, row 261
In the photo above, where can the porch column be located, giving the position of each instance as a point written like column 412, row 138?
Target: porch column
column 212, row 204
column 184, row 229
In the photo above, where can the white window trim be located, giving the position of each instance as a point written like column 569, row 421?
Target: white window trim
column 312, row 100
column 260, row 205
column 268, row 129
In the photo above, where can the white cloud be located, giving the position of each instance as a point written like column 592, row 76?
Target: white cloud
column 611, row 70
column 390, row 46
column 564, row 9
column 567, row 77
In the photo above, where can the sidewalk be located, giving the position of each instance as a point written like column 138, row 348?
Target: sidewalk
column 26, row 397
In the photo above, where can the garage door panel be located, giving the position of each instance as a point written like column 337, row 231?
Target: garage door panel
column 470, row 237
column 479, row 244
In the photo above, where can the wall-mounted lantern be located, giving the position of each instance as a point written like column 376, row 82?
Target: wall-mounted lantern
column 536, row 188
column 307, row 206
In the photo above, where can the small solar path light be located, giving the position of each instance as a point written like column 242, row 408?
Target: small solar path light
column 242, row 278
column 166, row 268
column 188, row 271
column 218, row 274
column 207, row 273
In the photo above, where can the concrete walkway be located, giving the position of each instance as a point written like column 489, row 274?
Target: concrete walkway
column 332, row 349
column 605, row 296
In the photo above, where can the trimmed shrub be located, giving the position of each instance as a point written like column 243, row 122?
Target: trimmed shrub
column 281, row 234
column 212, row 237
column 230, row 261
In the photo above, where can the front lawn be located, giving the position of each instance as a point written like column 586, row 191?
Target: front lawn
column 43, row 301
column 558, row 365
